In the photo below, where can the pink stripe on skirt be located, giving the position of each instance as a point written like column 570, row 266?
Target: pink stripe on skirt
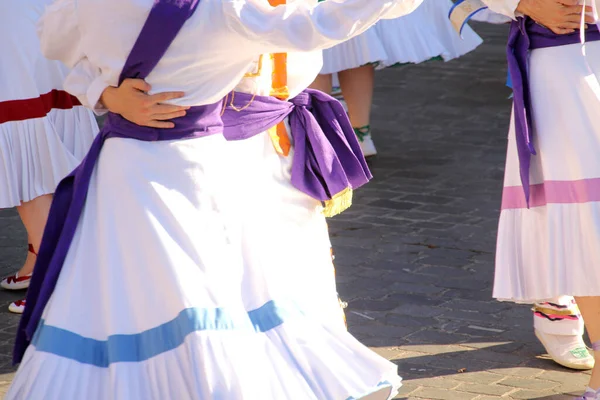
column 552, row 192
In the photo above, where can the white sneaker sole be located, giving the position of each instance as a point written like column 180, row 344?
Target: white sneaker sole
column 15, row 309
column 15, row 286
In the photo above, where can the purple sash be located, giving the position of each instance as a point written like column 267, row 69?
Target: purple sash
column 524, row 35
column 327, row 156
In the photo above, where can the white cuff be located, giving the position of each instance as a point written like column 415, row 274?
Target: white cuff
column 93, row 94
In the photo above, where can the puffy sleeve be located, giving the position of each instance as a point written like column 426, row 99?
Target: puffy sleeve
column 504, row 7
column 59, row 34
column 86, row 82
column 302, row 26
column 60, row 39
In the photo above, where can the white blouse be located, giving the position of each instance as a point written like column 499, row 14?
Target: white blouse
column 504, row 7
column 216, row 47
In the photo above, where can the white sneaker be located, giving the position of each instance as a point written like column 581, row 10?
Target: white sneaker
column 17, row 307
column 367, row 146
column 16, row 282
column 567, row 350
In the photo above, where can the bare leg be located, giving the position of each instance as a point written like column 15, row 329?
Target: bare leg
column 357, row 86
column 590, row 310
column 322, row 83
column 34, row 214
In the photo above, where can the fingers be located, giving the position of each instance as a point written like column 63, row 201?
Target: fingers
column 138, row 84
column 167, row 108
column 562, row 31
column 162, row 97
column 569, row 2
column 167, row 116
column 160, row 124
column 569, row 25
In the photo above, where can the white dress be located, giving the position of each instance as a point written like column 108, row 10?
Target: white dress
column 420, row 36
column 197, row 271
column 44, row 133
column 551, row 249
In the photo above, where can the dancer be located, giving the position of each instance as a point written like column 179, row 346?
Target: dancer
column 194, row 262
column 557, row 322
column 44, row 132
column 423, row 35
column 548, row 223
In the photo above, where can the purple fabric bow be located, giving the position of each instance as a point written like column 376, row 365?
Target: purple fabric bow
column 327, row 155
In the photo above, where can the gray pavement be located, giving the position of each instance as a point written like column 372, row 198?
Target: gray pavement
column 415, row 252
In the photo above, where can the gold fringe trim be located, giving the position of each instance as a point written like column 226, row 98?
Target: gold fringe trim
column 338, row 203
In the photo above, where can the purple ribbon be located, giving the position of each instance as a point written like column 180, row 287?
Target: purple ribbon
column 524, row 35
column 327, row 155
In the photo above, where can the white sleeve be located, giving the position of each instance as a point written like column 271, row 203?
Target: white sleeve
column 59, row 34
column 60, row 39
column 86, row 82
column 504, row 7
column 300, row 26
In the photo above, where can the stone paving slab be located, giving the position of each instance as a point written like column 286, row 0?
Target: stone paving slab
column 415, row 253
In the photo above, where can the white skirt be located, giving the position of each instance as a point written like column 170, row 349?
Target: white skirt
column 363, row 49
column 198, row 272
column 552, row 248
column 424, row 34
column 37, row 153
column 36, row 149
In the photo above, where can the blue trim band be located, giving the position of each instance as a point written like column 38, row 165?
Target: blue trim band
column 168, row 336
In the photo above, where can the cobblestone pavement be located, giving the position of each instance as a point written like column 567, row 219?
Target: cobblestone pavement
column 415, row 252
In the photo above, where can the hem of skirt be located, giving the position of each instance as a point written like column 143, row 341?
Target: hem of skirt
column 543, row 299
column 384, row 384
column 375, row 64
column 15, row 203
column 382, row 65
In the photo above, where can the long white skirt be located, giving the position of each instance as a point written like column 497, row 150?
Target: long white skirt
column 35, row 153
column 552, row 248
column 197, row 272
column 424, row 34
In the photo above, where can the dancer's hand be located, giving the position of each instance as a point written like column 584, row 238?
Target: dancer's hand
column 560, row 16
column 132, row 101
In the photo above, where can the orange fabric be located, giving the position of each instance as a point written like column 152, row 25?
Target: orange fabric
column 279, row 89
